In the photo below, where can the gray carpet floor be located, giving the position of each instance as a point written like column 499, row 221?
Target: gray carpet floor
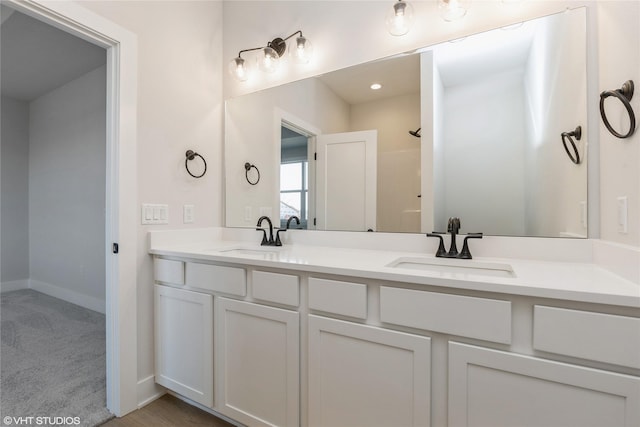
column 52, row 359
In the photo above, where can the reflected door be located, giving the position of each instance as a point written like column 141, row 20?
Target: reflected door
column 346, row 181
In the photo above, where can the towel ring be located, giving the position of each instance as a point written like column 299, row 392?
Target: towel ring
column 624, row 94
column 190, row 156
column 247, row 167
column 568, row 136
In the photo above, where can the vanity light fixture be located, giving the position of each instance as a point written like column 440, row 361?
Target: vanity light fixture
column 451, row 10
column 269, row 57
column 399, row 18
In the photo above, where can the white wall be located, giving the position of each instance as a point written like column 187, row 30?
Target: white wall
column 15, row 190
column 398, row 184
column 180, row 107
column 67, row 129
column 252, row 127
column 619, row 51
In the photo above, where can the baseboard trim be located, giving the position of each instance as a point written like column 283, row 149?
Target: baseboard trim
column 148, row 391
column 14, row 285
column 73, row 297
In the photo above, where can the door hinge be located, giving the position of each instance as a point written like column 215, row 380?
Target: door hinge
column 315, row 156
column 115, row 248
column 314, row 221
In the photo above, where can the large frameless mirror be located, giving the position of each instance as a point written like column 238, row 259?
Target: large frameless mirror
column 470, row 128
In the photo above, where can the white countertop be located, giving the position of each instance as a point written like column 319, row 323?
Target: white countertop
column 575, row 281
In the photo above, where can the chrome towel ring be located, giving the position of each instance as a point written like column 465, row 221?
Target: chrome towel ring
column 568, row 136
column 247, row 167
column 624, row 94
column 190, row 156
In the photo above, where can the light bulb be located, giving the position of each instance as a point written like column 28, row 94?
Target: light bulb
column 270, row 60
column 239, row 69
column 301, row 50
column 450, row 10
column 399, row 18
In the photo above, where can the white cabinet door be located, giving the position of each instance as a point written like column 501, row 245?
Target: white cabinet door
column 360, row 375
column 184, row 342
column 495, row 388
column 257, row 363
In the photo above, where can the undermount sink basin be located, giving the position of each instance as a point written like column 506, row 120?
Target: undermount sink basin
column 255, row 253
column 454, row 265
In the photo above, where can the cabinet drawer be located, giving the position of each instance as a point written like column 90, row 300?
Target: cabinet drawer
column 275, row 287
column 595, row 336
column 216, row 278
column 168, row 271
column 345, row 298
column 481, row 318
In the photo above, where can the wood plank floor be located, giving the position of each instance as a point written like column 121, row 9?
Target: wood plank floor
column 168, row 411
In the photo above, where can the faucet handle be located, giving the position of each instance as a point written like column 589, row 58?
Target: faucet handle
column 278, row 241
column 466, row 253
column 441, row 252
column 453, row 225
column 264, row 242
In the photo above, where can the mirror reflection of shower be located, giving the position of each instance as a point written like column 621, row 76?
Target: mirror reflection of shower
column 415, row 133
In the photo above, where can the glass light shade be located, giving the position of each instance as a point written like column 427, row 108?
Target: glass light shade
column 239, row 69
column 301, row 50
column 269, row 60
column 399, row 18
column 450, row 10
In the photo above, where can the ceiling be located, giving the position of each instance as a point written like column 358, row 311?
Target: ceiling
column 36, row 58
column 399, row 76
column 459, row 62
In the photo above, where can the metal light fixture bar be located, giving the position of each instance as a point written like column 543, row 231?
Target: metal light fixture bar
column 278, row 44
column 271, row 55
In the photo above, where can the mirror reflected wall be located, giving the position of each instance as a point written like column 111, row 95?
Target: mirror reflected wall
column 468, row 128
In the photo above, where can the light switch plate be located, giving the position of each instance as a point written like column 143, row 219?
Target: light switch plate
column 154, row 214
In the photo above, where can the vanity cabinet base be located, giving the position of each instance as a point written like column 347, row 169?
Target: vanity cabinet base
column 184, row 342
column 257, row 363
column 361, row 375
column 494, row 388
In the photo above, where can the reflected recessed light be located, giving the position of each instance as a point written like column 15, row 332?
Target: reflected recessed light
column 376, row 86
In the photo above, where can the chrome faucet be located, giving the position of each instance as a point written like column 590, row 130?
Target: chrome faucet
column 453, row 227
column 278, row 241
column 266, row 241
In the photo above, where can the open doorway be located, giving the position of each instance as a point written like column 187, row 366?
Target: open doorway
column 121, row 192
column 54, row 184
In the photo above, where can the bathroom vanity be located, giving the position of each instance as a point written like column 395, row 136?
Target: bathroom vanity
column 324, row 336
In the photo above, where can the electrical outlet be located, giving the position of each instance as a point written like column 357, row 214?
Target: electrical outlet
column 622, row 214
column 248, row 214
column 188, row 212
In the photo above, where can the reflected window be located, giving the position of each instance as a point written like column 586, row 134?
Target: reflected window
column 294, row 191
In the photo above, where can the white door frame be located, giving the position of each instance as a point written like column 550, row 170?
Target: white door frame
column 121, row 188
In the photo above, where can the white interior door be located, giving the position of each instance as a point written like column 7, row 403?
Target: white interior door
column 346, row 181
